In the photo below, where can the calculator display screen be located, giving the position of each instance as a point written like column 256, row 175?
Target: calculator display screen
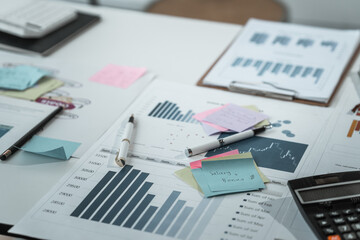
column 329, row 192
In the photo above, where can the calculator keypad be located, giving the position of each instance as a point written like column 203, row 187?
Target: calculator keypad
column 340, row 223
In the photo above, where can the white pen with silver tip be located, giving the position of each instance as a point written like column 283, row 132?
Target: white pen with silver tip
column 223, row 141
column 125, row 143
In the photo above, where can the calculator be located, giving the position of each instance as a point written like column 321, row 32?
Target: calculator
column 34, row 19
column 330, row 204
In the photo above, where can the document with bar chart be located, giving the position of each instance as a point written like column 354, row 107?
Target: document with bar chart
column 145, row 200
column 307, row 62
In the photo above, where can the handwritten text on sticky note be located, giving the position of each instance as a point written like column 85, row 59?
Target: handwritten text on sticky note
column 237, row 174
column 235, row 117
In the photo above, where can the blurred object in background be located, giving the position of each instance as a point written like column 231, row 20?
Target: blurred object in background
column 230, row 11
column 324, row 13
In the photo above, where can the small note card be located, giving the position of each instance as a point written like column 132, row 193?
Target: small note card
column 118, row 76
column 218, row 177
column 235, row 118
column 51, row 147
column 20, row 77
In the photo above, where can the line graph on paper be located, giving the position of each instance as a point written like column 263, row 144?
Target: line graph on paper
column 268, row 152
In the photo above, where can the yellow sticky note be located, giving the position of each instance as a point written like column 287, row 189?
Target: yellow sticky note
column 44, row 85
column 186, row 175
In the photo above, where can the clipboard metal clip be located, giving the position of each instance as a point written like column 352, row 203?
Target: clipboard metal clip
column 262, row 89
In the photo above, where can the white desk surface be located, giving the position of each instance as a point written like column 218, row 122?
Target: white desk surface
column 175, row 49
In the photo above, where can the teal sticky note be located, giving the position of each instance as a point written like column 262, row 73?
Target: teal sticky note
column 213, row 183
column 51, row 147
column 20, row 77
column 236, row 174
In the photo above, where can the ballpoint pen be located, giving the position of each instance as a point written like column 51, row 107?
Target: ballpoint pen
column 125, row 142
column 18, row 144
column 223, row 141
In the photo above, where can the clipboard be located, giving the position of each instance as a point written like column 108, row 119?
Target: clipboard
column 288, row 94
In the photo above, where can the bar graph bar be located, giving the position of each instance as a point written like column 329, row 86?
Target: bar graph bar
column 265, row 68
column 354, row 127
column 101, row 198
column 122, row 200
column 305, row 42
column 91, row 196
column 194, row 218
column 331, row 44
column 259, row 38
column 162, row 211
column 131, row 205
column 170, row 111
column 146, row 217
column 170, row 217
column 278, row 68
column 180, row 221
column 296, row 71
column 282, row 40
column 237, row 62
column 132, row 219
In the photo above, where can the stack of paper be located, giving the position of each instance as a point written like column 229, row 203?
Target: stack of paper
column 226, row 173
column 231, row 118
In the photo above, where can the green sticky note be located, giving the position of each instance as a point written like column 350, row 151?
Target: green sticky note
column 51, row 147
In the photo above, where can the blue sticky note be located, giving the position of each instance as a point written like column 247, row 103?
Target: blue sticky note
column 51, row 147
column 227, row 176
column 236, row 174
column 20, row 77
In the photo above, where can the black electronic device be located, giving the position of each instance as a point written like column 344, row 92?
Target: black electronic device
column 330, row 204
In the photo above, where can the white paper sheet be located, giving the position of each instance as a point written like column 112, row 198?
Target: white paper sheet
column 89, row 108
column 249, row 215
column 18, row 117
column 272, row 57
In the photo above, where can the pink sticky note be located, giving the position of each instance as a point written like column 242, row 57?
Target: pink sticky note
column 235, row 118
column 197, row 164
column 210, row 128
column 118, row 76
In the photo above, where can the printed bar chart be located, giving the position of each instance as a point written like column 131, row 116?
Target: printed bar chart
column 170, row 111
column 122, row 199
column 277, row 68
column 354, row 127
column 261, row 38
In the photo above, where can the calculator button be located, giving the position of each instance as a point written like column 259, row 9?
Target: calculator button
column 357, row 209
column 334, row 213
column 352, row 218
column 348, row 211
column 355, row 226
column 349, row 236
column 328, row 231
column 319, row 215
column 339, row 220
column 334, row 237
column 344, row 228
column 358, row 234
column 323, row 223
